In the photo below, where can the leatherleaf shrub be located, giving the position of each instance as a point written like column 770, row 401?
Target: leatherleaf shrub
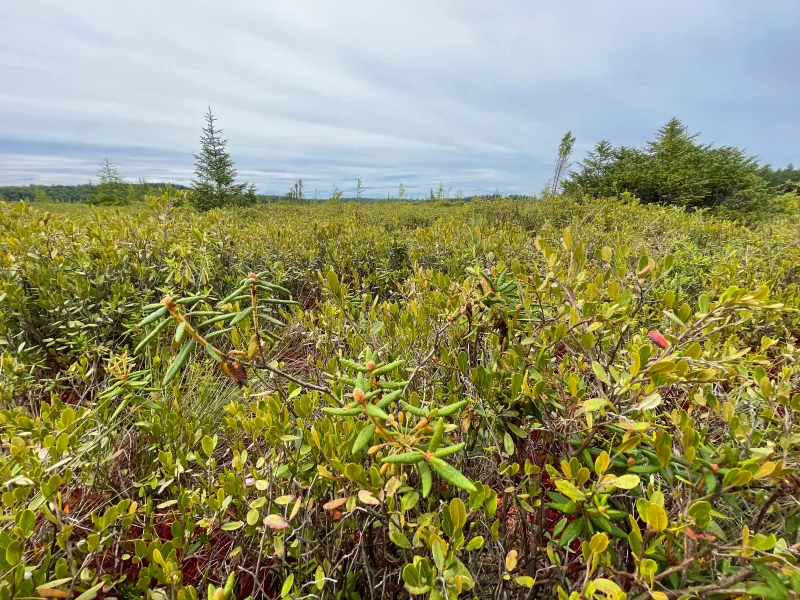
column 565, row 399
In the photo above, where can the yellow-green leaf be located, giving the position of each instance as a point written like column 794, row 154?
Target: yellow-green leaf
column 657, row 517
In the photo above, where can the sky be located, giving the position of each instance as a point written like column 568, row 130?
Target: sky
column 471, row 94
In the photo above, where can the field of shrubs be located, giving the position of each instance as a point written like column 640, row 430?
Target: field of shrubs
column 559, row 398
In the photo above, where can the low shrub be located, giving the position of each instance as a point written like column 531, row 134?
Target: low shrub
column 606, row 409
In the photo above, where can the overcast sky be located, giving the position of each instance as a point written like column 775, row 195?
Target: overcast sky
column 474, row 94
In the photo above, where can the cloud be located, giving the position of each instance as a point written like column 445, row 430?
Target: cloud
column 468, row 93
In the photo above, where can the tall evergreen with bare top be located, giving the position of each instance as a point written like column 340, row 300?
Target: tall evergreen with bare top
column 215, row 184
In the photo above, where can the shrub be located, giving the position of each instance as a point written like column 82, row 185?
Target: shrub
column 673, row 169
column 606, row 409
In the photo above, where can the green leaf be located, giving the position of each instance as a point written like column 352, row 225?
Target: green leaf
column 524, row 580
column 208, row 444
column 700, row 511
column 150, row 336
column 414, row 410
column 508, row 444
column 233, row 294
column 450, row 474
column 408, row 458
column 287, row 585
column 572, row 531
column 570, row 491
column 13, row 552
column 26, row 520
column 342, row 412
column 601, row 463
column 448, row 450
column 703, row 303
column 364, row 438
column 627, row 482
column 375, row 412
column 242, row 315
column 438, row 553
column 475, row 543
column 91, row 592
column 458, row 513
column 232, row 526
column 178, row 362
column 451, row 408
column 770, row 593
column 425, row 477
column 154, row 316
column 436, row 438
column 600, row 373
column 387, row 368
column 657, row 517
column 398, row 537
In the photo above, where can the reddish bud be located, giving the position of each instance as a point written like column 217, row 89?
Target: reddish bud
column 519, row 307
column 714, row 467
column 631, row 461
column 358, row 395
column 166, row 301
column 658, row 339
column 252, row 276
column 370, row 366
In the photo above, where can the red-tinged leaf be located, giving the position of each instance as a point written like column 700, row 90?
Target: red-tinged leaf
column 334, row 504
column 275, row 522
column 658, row 339
column 698, row 536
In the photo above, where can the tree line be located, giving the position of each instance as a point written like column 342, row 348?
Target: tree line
column 673, row 168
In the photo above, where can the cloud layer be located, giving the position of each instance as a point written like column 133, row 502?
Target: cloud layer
column 470, row 93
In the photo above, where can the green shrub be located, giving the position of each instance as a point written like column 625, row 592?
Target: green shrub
column 673, row 169
column 558, row 399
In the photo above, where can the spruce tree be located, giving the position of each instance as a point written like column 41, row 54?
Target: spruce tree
column 111, row 189
column 215, row 184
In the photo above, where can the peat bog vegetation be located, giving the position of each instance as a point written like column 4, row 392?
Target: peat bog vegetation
column 571, row 396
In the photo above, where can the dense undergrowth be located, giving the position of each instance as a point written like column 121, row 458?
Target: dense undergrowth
column 489, row 399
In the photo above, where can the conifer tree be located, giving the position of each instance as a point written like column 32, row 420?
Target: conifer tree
column 215, row 184
column 111, row 188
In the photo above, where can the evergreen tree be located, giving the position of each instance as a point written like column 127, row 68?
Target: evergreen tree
column 215, row 184
column 39, row 195
column 674, row 168
column 401, row 192
column 359, row 190
column 336, row 193
column 111, row 187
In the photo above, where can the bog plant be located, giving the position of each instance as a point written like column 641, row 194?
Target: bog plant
column 569, row 415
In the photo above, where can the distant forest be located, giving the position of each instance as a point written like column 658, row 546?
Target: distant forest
column 72, row 193
column 85, row 192
column 779, row 178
